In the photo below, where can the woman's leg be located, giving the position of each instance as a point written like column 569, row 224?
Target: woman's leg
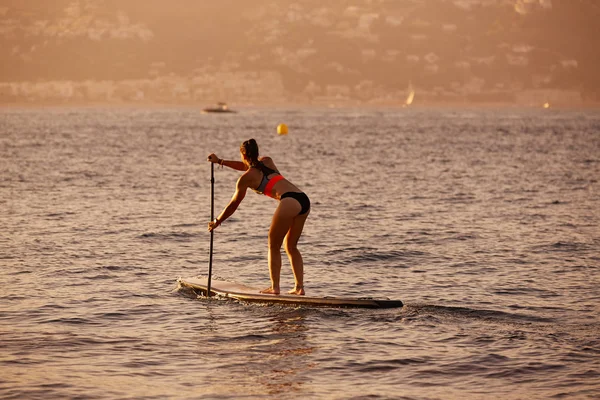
column 282, row 220
column 291, row 248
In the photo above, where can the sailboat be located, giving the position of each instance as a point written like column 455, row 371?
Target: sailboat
column 411, row 96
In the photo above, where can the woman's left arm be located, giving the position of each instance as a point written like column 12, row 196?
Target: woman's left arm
column 237, row 165
column 238, row 196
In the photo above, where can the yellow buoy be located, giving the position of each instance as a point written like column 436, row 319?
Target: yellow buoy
column 282, row 129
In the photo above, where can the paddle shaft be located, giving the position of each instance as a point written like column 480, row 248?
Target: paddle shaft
column 212, row 218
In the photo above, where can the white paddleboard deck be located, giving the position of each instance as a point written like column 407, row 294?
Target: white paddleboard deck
column 249, row 294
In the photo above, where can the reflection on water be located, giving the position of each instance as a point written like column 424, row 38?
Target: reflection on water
column 286, row 359
column 272, row 357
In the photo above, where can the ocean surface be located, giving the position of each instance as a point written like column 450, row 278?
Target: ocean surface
column 485, row 222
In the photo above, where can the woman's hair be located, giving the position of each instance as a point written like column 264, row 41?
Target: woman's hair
column 250, row 149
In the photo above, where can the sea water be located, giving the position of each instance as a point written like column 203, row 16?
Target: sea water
column 485, row 222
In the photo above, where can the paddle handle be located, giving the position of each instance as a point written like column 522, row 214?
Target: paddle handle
column 212, row 218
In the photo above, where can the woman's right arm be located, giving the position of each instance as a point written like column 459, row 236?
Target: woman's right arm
column 240, row 192
column 237, row 165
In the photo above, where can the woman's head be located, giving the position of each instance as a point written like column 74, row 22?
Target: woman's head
column 249, row 151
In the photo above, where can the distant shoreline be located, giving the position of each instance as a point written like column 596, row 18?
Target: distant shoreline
column 286, row 105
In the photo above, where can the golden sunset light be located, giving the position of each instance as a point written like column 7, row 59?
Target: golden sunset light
column 281, row 199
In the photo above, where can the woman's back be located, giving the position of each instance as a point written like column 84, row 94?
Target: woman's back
column 268, row 171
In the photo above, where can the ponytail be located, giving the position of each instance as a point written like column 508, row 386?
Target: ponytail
column 250, row 149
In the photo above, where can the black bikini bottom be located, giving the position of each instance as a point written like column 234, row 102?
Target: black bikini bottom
column 301, row 198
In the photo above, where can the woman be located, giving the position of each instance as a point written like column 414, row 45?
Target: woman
column 262, row 176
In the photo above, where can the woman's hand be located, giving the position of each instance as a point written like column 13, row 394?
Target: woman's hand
column 213, row 224
column 213, row 158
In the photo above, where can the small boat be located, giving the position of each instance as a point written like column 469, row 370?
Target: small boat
column 220, row 108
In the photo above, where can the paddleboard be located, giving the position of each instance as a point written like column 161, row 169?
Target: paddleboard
column 245, row 293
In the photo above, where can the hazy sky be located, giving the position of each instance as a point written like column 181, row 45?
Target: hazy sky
column 472, row 44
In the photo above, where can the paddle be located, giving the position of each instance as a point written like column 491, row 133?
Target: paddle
column 212, row 217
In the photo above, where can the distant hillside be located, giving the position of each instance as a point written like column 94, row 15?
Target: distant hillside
column 523, row 51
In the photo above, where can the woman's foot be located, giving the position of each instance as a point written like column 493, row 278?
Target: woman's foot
column 297, row 290
column 270, row 290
